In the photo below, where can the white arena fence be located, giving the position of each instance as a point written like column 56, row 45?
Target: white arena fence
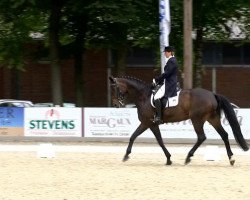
column 118, row 123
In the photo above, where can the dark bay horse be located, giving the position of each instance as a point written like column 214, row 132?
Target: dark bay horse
column 199, row 105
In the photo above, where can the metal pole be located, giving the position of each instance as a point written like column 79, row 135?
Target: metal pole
column 188, row 45
column 214, row 80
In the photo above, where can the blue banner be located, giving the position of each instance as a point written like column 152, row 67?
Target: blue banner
column 11, row 117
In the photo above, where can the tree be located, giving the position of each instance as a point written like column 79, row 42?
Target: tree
column 54, row 49
column 18, row 19
column 75, row 31
column 114, row 24
column 118, row 29
column 18, row 22
column 210, row 21
column 22, row 19
column 209, row 15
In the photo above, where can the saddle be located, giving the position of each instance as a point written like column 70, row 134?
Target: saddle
column 167, row 102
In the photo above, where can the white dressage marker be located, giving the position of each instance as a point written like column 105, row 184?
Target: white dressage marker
column 212, row 153
column 46, row 150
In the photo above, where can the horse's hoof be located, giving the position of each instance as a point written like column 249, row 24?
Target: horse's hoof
column 125, row 158
column 187, row 161
column 232, row 161
column 169, row 162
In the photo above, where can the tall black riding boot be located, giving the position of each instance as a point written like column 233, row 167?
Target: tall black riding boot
column 158, row 118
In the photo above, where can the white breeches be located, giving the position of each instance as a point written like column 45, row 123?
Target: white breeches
column 160, row 93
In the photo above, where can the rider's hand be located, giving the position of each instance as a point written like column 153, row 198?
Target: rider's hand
column 154, row 83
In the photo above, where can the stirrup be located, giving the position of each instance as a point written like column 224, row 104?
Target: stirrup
column 158, row 120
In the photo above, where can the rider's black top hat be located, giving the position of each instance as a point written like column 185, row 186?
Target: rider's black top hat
column 169, row 49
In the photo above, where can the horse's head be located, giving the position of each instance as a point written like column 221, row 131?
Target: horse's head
column 128, row 90
column 118, row 92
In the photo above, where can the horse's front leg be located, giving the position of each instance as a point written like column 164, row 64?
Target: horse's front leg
column 140, row 129
column 156, row 131
column 198, row 127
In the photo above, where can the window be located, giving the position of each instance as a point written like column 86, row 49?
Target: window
column 212, row 53
column 231, row 54
column 246, row 51
column 226, row 53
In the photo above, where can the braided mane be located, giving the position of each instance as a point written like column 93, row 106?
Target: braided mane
column 139, row 81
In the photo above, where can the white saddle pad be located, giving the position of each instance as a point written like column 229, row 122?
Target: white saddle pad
column 172, row 101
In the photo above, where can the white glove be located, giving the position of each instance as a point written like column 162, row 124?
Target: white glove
column 153, row 83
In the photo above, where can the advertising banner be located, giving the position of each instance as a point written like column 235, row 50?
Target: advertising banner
column 184, row 129
column 53, row 122
column 109, row 122
column 122, row 122
column 112, row 122
column 11, row 121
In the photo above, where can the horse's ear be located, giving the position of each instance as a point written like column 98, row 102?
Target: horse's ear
column 112, row 80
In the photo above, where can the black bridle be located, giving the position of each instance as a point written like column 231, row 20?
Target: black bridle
column 119, row 95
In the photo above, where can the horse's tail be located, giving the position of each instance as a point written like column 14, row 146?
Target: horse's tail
column 226, row 106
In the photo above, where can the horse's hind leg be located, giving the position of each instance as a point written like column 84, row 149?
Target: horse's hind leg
column 198, row 127
column 224, row 136
column 156, row 131
column 141, row 128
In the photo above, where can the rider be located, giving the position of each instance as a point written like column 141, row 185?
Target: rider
column 169, row 78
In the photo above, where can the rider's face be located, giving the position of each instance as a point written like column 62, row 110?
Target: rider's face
column 167, row 54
